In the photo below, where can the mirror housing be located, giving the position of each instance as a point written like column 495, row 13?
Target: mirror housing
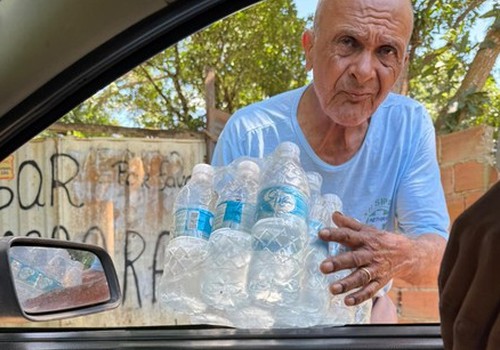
column 12, row 307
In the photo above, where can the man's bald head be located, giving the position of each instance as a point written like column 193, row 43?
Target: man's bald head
column 405, row 5
column 357, row 52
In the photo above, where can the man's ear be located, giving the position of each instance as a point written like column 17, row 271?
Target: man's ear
column 406, row 59
column 307, row 45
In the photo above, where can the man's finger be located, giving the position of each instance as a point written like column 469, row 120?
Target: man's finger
column 347, row 260
column 345, row 236
column 355, row 280
column 344, row 221
column 366, row 293
column 358, row 278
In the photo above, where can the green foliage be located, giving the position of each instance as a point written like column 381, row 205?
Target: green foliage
column 256, row 53
column 442, row 50
column 482, row 106
column 98, row 110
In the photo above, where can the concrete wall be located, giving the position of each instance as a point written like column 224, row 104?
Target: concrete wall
column 116, row 193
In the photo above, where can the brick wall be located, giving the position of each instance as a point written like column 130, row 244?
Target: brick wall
column 467, row 171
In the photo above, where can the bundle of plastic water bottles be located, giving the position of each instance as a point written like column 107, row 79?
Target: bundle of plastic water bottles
column 39, row 270
column 245, row 250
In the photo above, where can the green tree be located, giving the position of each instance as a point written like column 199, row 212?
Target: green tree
column 256, row 53
column 449, row 72
column 471, row 103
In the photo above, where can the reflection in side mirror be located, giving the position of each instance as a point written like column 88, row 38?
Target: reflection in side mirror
column 50, row 279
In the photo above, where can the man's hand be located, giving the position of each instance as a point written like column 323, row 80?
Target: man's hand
column 469, row 280
column 378, row 256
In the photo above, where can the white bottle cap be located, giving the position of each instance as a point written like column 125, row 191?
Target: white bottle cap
column 203, row 168
column 248, row 166
column 288, row 148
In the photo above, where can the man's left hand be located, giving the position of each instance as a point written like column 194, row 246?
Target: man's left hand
column 375, row 257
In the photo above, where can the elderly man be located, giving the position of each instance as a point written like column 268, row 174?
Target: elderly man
column 375, row 149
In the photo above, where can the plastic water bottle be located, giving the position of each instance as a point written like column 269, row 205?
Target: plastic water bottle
column 338, row 313
column 333, row 203
column 314, row 296
column 64, row 269
column 28, row 266
column 186, row 252
column 230, row 244
column 280, row 233
column 363, row 312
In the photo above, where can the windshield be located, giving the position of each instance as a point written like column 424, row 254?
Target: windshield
column 119, row 171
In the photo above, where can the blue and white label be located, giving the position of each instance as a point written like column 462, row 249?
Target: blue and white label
column 235, row 214
column 282, row 200
column 193, row 222
column 33, row 277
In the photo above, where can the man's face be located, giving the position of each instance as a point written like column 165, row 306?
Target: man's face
column 357, row 52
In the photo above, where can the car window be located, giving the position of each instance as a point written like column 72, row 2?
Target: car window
column 109, row 171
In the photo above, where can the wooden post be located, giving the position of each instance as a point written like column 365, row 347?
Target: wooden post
column 210, row 107
column 216, row 119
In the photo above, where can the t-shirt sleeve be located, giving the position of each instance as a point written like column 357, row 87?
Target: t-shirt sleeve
column 421, row 205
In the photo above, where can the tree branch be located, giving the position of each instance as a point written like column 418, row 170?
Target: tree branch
column 177, row 85
column 472, row 5
column 156, row 87
column 476, row 76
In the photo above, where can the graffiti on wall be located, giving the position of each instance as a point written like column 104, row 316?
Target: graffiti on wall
column 119, row 196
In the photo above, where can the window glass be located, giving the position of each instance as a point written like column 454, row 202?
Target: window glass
column 109, row 171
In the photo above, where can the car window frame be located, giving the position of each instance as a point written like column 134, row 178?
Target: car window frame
column 106, row 63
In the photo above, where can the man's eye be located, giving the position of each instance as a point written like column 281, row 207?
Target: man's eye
column 347, row 41
column 346, row 45
column 387, row 51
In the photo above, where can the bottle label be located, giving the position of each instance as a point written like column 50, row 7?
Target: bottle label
column 32, row 277
column 235, row 215
column 282, row 200
column 194, row 222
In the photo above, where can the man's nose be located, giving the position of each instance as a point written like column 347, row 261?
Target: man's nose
column 363, row 67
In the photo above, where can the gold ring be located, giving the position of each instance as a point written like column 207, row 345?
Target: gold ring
column 368, row 273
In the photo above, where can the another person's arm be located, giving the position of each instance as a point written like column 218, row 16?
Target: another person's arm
column 469, row 280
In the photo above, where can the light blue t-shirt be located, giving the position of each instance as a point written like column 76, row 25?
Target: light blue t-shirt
column 393, row 181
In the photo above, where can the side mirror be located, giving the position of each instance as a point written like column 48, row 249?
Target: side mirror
column 51, row 279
